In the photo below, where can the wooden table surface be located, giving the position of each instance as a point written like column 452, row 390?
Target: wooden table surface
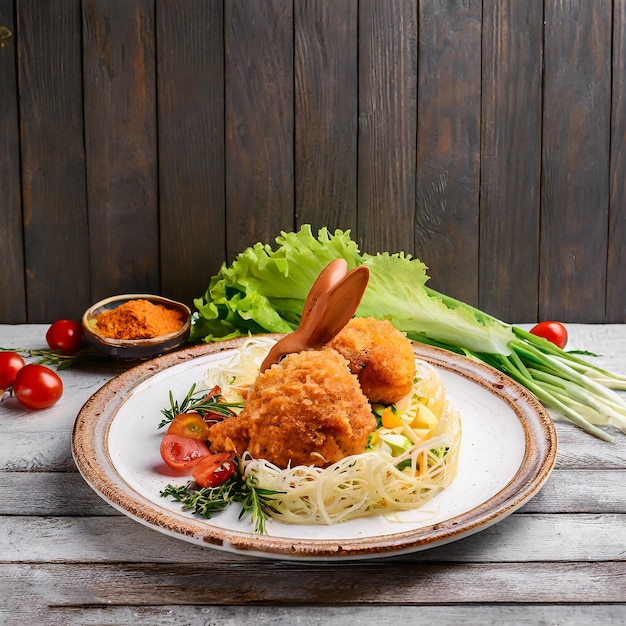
column 69, row 558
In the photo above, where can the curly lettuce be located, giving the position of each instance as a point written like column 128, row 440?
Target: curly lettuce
column 264, row 291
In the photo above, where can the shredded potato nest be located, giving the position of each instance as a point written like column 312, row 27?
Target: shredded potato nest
column 411, row 456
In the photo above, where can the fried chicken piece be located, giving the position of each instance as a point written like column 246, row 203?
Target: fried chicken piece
column 308, row 409
column 379, row 355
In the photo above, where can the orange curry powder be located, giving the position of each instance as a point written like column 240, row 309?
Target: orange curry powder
column 138, row 319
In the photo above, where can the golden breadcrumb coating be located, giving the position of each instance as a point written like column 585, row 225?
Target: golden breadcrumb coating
column 379, row 355
column 306, row 410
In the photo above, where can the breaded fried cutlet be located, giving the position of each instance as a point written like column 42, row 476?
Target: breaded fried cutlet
column 379, row 355
column 308, row 409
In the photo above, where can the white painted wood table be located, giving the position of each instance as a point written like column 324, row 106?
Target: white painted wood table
column 67, row 557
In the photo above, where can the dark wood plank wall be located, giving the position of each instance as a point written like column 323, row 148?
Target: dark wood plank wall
column 510, row 163
column 145, row 142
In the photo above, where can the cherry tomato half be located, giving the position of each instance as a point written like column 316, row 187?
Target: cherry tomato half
column 65, row 336
column 214, row 470
column 10, row 364
column 37, row 386
column 554, row 332
column 182, row 453
column 189, row 425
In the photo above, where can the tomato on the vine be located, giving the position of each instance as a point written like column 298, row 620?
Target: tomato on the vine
column 189, row 425
column 214, row 470
column 182, row 453
column 554, row 332
column 65, row 336
column 37, row 386
column 10, row 364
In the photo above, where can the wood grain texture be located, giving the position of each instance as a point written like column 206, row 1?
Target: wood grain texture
column 326, row 111
column 258, row 39
column 510, row 161
column 120, row 139
column 67, row 494
column 13, row 309
column 53, row 160
column 448, row 145
column 575, row 185
column 616, row 264
column 181, row 132
column 259, row 615
column 516, row 539
column 252, row 582
column 387, row 125
column 190, row 84
column 70, row 558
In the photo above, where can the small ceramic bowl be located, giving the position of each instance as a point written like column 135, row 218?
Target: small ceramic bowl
column 135, row 348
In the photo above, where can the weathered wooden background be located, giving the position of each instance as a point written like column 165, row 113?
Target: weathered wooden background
column 144, row 142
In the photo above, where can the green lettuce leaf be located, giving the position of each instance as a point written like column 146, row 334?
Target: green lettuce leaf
column 264, row 291
column 397, row 292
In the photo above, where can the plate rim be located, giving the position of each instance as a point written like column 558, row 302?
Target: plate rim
column 91, row 456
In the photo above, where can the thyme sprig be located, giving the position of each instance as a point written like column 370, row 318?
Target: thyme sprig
column 210, row 405
column 255, row 501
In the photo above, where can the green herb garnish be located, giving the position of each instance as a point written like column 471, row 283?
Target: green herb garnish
column 255, row 501
column 61, row 360
column 209, row 404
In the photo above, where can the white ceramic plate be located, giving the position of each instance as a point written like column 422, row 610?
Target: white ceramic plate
column 508, row 450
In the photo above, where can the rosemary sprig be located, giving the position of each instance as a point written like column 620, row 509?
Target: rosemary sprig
column 255, row 501
column 61, row 360
column 210, row 405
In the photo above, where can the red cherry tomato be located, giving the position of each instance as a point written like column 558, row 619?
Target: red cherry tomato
column 10, row 364
column 214, row 470
column 182, row 453
column 554, row 332
column 189, row 425
column 37, row 386
column 65, row 336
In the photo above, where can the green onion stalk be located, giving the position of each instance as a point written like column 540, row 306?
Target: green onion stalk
column 264, row 289
column 580, row 391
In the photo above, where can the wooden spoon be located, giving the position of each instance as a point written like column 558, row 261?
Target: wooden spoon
column 340, row 304
column 330, row 304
